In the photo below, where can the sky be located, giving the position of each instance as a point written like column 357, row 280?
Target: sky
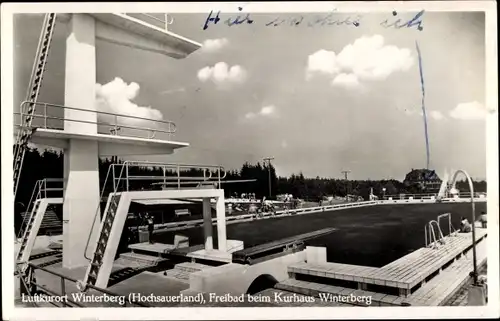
column 319, row 99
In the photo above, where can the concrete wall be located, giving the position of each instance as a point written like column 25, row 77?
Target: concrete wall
column 236, row 278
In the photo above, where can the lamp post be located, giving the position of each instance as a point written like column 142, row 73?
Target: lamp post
column 471, row 188
column 383, row 193
column 268, row 160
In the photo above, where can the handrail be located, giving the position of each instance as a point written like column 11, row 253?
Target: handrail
column 471, row 191
column 451, row 229
column 116, row 126
column 176, row 171
column 40, row 190
column 124, row 171
column 64, row 277
column 96, row 214
column 433, row 234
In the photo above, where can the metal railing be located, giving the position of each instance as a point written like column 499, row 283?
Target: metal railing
column 124, row 176
column 430, row 237
column 114, row 126
column 43, row 188
column 451, row 230
column 28, row 284
column 164, row 22
column 172, row 174
column 429, row 196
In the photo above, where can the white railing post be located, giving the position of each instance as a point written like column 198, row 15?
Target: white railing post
column 45, row 115
column 126, row 175
column 178, row 177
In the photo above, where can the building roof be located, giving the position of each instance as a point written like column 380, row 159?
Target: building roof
column 422, row 175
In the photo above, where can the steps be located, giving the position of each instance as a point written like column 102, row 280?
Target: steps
column 135, row 259
column 182, row 271
column 105, row 231
column 35, row 83
column 50, row 220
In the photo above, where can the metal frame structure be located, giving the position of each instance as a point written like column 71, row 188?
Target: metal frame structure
column 114, row 127
column 473, row 208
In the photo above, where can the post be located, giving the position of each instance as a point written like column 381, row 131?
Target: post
column 221, row 223
column 268, row 160
column 207, row 224
column 346, row 185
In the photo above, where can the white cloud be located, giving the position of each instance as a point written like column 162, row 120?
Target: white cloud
column 346, row 80
column 469, row 111
column 116, row 97
column 436, row 115
column 365, row 59
column 213, row 45
column 221, row 74
column 268, row 110
column 265, row 111
column 250, row 115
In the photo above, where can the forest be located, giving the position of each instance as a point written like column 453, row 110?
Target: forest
column 49, row 164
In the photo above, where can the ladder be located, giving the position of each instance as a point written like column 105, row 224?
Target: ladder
column 27, row 231
column 106, row 225
column 25, row 132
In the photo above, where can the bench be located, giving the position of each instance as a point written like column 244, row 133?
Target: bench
column 182, row 212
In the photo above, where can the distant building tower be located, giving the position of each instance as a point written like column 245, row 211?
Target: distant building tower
column 423, row 180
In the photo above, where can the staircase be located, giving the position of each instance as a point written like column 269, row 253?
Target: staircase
column 27, row 231
column 50, row 222
column 26, row 130
column 182, row 271
column 106, row 225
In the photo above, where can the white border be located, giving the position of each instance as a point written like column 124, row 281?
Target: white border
column 492, row 310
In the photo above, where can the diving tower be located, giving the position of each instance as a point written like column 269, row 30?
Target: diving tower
column 85, row 133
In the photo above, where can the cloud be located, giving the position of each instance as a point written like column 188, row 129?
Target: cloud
column 116, row 97
column 213, row 45
column 346, row 80
column 171, row 91
column 221, row 74
column 265, row 111
column 436, row 115
column 367, row 58
column 469, row 111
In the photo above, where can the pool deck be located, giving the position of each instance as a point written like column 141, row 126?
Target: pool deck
column 425, row 277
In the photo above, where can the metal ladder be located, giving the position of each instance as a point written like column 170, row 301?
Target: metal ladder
column 430, row 237
column 25, row 132
column 29, row 228
column 35, row 196
column 106, row 225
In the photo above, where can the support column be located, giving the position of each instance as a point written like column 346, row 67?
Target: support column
column 221, row 224
column 81, row 169
column 207, row 224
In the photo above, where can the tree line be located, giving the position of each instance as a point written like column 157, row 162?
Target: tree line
column 49, row 164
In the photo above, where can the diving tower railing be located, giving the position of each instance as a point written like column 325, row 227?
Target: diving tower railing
column 44, row 188
column 111, row 123
column 121, row 175
column 171, row 174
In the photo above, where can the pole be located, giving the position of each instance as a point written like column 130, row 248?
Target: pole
column 268, row 160
column 471, row 188
column 346, row 182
